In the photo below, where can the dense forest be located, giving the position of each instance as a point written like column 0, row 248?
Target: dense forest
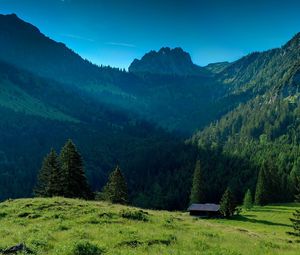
column 238, row 120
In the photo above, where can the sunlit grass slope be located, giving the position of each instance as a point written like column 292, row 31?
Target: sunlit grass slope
column 65, row 226
column 14, row 98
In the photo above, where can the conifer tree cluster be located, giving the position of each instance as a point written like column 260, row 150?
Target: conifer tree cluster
column 63, row 175
column 116, row 190
column 268, row 183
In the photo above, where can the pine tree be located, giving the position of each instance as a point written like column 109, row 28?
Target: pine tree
column 248, row 201
column 54, row 185
column 294, row 177
column 41, row 189
column 227, row 204
column 297, row 196
column 116, row 189
column 261, row 192
column 48, row 179
column 158, row 196
column 73, row 177
column 197, row 194
column 296, row 216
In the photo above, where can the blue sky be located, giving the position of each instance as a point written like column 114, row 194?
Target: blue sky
column 114, row 32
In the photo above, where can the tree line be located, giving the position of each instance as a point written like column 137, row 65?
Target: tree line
column 265, row 183
column 64, row 175
column 228, row 205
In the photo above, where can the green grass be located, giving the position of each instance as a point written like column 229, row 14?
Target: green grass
column 66, row 226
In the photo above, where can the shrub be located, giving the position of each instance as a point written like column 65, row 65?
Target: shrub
column 23, row 215
column 167, row 241
column 87, row 248
column 139, row 215
column 3, row 214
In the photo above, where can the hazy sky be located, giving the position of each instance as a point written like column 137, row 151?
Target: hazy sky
column 114, row 32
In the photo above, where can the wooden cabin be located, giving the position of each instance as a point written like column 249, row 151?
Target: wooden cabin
column 204, row 210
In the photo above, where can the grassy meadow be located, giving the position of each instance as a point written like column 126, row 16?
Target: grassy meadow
column 72, row 227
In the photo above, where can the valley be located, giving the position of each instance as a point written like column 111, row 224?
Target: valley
column 154, row 120
column 149, row 127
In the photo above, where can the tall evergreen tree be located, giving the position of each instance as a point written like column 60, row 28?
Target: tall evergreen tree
column 227, row 204
column 197, row 192
column 261, row 192
column 49, row 177
column 73, row 176
column 116, row 189
column 297, row 195
column 296, row 216
column 294, row 177
column 248, row 201
column 55, row 187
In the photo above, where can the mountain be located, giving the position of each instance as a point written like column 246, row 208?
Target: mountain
column 263, row 131
column 166, row 61
column 189, row 99
column 23, row 45
column 264, row 70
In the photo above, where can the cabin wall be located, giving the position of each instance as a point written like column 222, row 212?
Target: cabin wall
column 204, row 214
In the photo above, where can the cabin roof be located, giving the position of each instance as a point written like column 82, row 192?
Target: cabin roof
column 204, row 207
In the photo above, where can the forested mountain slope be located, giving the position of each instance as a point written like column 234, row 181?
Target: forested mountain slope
column 264, row 130
column 261, row 71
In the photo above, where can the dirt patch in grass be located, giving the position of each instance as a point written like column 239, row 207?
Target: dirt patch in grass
column 130, row 243
column 135, row 243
